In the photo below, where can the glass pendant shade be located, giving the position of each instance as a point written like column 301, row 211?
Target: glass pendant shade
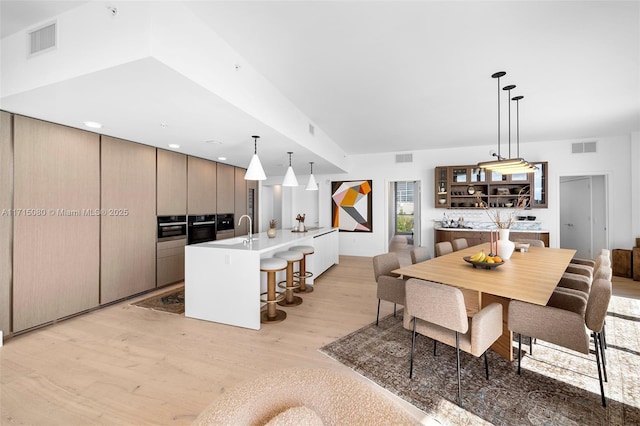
column 290, row 176
column 311, row 185
column 255, row 170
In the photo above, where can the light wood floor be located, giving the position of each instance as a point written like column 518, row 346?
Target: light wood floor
column 129, row 365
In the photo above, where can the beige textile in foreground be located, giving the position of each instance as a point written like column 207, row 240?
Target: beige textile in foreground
column 307, row 396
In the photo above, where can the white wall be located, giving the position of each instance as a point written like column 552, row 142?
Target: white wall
column 614, row 159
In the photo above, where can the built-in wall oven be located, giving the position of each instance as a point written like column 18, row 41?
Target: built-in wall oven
column 225, row 227
column 172, row 227
column 201, row 228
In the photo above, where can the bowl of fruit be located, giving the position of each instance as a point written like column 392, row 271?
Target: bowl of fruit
column 484, row 261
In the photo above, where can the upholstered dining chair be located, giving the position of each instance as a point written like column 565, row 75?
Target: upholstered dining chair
column 438, row 312
column 459, row 244
column 443, row 247
column 391, row 287
column 566, row 327
column 419, row 254
column 531, row 242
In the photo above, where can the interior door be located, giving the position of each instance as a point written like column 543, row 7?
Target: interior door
column 575, row 215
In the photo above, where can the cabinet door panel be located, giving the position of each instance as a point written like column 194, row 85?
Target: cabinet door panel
column 56, row 255
column 202, row 184
column 172, row 183
column 128, row 225
column 226, row 188
column 240, row 201
column 6, row 220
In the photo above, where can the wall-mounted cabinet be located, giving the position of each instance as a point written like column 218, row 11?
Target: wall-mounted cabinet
column 6, row 220
column 226, row 189
column 471, row 187
column 202, row 182
column 172, row 183
column 240, row 201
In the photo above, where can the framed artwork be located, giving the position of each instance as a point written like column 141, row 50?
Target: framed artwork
column 351, row 205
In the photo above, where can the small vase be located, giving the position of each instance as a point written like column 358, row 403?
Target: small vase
column 301, row 227
column 505, row 246
column 271, row 232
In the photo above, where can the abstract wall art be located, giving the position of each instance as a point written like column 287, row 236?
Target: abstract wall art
column 351, row 205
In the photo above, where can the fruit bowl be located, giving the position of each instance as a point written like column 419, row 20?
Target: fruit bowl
column 482, row 265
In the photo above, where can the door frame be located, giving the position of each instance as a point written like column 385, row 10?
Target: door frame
column 608, row 182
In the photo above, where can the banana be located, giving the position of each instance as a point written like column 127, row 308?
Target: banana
column 478, row 257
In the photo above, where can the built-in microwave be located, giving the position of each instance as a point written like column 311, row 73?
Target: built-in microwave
column 202, row 228
column 172, row 227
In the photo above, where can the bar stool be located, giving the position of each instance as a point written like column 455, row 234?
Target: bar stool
column 290, row 284
column 271, row 266
column 302, row 273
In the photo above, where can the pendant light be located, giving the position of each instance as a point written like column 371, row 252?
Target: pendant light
column 290, row 177
column 312, row 185
column 507, row 166
column 255, row 170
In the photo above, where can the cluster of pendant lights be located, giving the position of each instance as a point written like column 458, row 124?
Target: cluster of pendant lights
column 256, row 172
column 508, row 165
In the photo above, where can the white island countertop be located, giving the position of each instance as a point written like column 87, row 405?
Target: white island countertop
column 262, row 243
column 223, row 282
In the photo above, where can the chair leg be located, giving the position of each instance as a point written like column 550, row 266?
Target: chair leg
column 603, row 337
column 378, row 314
column 595, row 340
column 413, row 346
column 458, row 367
column 604, row 356
column 435, row 344
column 519, row 351
column 486, row 365
column 394, row 310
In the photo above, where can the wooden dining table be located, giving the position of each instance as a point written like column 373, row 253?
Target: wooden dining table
column 529, row 276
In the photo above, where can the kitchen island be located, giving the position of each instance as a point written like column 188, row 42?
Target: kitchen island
column 223, row 280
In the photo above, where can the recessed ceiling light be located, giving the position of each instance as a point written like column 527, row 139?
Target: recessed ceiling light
column 93, row 124
column 222, row 158
column 174, row 145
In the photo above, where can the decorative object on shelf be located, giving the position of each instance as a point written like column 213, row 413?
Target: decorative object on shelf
column 271, row 232
column 255, row 170
column 503, row 165
column 503, row 219
column 471, row 190
column 300, row 219
column 505, row 246
column 352, row 206
column 312, row 184
column 290, row 176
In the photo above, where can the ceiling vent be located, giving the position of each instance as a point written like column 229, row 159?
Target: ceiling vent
column 582, row 147
column 42, row 39
column 404, row 158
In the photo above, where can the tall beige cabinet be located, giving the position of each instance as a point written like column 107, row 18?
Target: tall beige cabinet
column 240, row 201
column 128, row 226
column 172, row 183
column 225, row 189
column 6, row 219
column 56, row 238
column 201, row 184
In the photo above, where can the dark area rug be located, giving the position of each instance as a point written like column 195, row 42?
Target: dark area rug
column 170, row 301
column 557, row 386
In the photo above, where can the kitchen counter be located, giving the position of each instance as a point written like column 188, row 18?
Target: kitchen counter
column 223, row 281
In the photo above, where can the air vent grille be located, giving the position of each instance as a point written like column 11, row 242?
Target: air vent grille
column 404, row 158
column 583, row 147
column 42, row 39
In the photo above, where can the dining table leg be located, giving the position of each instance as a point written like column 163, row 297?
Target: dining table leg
column 504, row 345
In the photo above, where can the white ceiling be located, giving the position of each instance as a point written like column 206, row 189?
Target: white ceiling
column 388, row 76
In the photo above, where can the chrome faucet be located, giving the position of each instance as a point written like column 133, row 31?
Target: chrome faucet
column 250, row 226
